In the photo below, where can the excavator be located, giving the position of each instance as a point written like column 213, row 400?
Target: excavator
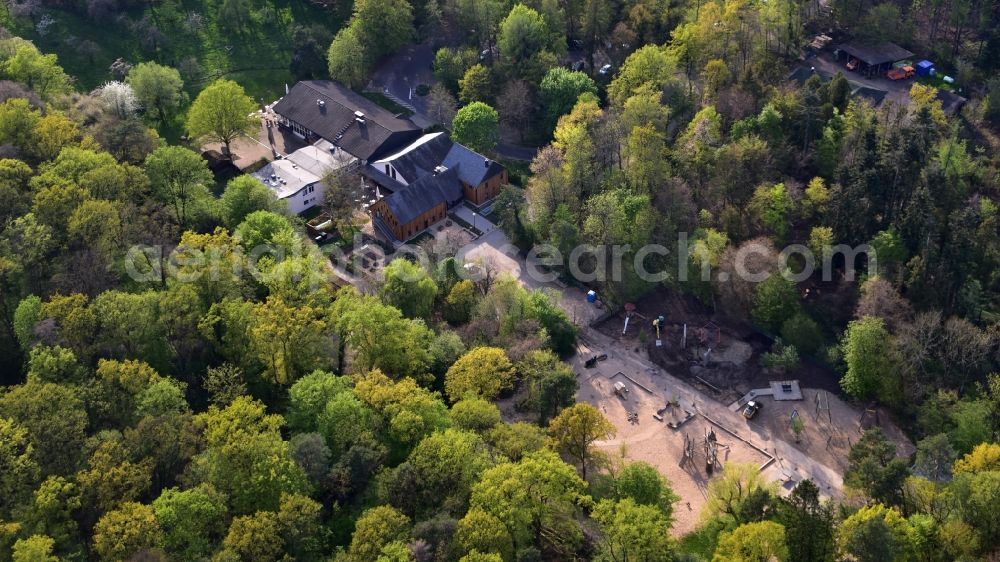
column 658, row 323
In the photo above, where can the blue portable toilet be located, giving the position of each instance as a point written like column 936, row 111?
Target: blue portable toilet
column 925, row 68
column 591, row 296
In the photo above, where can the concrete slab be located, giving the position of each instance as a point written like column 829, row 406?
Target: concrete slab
column 755, row 393
column 475, row 219
column 786, row 390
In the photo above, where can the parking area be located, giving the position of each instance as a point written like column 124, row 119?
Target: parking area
column 898, row 90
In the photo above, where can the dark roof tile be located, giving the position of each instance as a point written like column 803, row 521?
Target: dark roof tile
column 875, row 53
column 335, row 119
column 424, row 194
column 428, row 152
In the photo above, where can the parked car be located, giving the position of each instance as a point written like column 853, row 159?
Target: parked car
column 605, row 69
column 751, row 409
column 901, row 73
column 578, row 65
column 852, row 64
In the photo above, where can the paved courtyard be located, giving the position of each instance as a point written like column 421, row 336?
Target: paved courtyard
column 270, row 142
column 478, row 221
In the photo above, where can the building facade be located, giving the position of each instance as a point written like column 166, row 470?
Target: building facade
column 418, row 177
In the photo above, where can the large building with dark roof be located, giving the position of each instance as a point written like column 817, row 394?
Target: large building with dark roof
column 324, row 109
column 426, row 178
column 419, row 177
column 411, row 210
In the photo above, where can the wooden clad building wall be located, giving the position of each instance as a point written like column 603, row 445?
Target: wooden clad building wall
column 476, row 195
column 486, row 190
column 406, row 231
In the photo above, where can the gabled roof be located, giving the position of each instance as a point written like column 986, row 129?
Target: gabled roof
column 875, row 53
column 874, row 94
column 422, row 156
column 419, row 158
column 473, row 168
column 335, row 120
column 425, row 194
column 379, row 177
column 803, row 73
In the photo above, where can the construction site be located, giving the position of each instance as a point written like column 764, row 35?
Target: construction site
column 686, row 394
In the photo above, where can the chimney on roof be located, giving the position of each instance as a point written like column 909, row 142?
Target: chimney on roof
column 486, row 162
column 359, row 117
column 440, row 170
column 321, row 103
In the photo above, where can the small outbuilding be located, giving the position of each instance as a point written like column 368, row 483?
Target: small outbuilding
column 875, row 58
column 924, row 68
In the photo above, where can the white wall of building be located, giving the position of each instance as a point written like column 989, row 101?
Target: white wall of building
column 306, row 198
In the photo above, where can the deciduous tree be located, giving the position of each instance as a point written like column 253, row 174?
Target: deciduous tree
column 409, row 288
column 575, row 430
column 867, row 349
column 477, row 126
column 126, row 531
column 376, row 528
column 753, row 542
column 540, row 492
column 523, row 34
column 157, row 87
column 877, row 533
column 479, row 531
column 775, row 300
column 642, row 483
column 482, row 372
column 36, row 548
column 475, row 414
column 38, row 72
column 18, row 471
column 347, row 58
column 441, row 105
column 380, row 336
column 633, row 531
column 244, row 195
column 180, row 178
column 559, row 91
column 727, row 495
column 54, row 419
column 246, row 458
column 222, row 112
column 383, row 25
column 476, row 85
column 290, row 340
column 438, row 474
column 255, row 537
column 192, row 520
column 408, row 412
